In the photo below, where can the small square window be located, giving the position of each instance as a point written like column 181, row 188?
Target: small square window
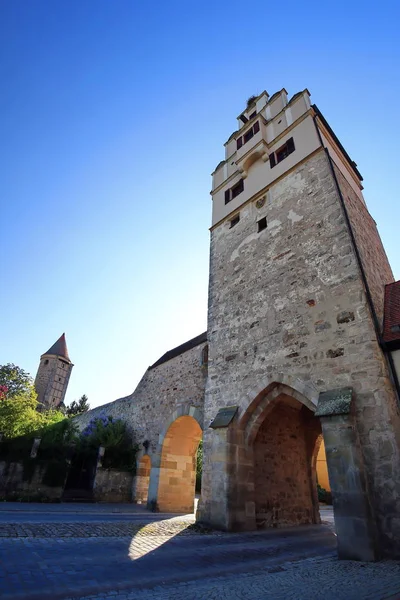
column 262, row 224
column 234, row 221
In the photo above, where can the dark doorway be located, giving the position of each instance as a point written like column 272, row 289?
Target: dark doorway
column 80, row 479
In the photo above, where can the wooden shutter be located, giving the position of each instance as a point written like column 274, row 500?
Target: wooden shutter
column 227, row 196
column 256, row 127
column 239, row 143
column 272, row 159
column 290, row 145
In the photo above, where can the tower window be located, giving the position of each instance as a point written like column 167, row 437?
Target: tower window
column 282, row 153
column 252, row 115
column 46, row 362
column 234, row 221
column 262, row 224
column 234, row 191
column 248, row 135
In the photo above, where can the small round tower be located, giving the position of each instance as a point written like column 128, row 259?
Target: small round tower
column 53, row 374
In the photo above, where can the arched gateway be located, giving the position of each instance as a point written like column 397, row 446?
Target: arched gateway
column 173, row 477
column 278, row 437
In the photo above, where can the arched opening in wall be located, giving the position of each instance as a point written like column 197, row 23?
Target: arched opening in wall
column 324, row 487
column 283, row 445
column 143, row 479
column 176, row 488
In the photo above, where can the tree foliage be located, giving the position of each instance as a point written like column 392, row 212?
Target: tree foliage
column 14, row 381
column 78, row 407
column 18, row 405
column 113, row 435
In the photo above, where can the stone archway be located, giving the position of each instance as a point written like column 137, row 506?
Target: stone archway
column 276, row 475
column 177, row 475
column 143, row 479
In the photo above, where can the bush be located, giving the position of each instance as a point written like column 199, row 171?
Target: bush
column 113, row 435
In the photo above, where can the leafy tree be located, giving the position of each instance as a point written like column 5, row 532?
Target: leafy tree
column 18, row 405
column 77, row 408
column 14, row 381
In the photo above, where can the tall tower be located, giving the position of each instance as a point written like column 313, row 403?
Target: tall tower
column 296, row 300
column 53, row 374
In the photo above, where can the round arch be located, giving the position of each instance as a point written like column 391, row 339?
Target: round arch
column 177, row 474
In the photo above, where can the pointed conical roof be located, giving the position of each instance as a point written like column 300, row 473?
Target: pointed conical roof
column 59, row 348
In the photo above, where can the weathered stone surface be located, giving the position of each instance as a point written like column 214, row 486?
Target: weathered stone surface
column 274, row 301
column 111, row 485
column 174, row 385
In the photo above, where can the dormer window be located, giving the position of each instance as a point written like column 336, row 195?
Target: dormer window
column 243, row 139
column 234, row 191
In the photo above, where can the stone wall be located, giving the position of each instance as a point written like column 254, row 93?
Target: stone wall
column 373, row 256
column 179, row 381
column 15, row 486
column 288, row 304
column 111, row 485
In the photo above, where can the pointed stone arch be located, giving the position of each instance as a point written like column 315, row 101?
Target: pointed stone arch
column 276, row 437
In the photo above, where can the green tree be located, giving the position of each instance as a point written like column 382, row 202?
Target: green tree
column 14, row 381
column 78, row 407
column 18, row 405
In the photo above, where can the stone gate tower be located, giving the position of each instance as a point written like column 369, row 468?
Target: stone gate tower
column 296, row 300
column 53, row 374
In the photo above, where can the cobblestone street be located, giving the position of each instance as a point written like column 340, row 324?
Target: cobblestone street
column 123, row 552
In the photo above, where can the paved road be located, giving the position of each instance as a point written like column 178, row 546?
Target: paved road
column 90, row 551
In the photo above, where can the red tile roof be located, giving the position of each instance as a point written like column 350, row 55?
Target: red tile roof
column 391, row 322
column 59, row 348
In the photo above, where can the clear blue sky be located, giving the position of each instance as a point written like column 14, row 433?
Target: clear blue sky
column 114, row 114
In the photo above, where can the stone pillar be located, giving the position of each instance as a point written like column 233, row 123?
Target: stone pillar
column 216, row 491
column 355, row 526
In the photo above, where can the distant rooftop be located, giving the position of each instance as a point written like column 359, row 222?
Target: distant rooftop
column 200, row 339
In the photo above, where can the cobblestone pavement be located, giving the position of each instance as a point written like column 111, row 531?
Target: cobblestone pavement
column 97, row 554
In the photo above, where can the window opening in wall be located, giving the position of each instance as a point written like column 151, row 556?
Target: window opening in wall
column 237, row 189
column 204, row 355
column 240, row 141
column 46, row 362
column 248, row 135
column 262, row 224
column 234, row 221
column 252, row 115
column 395, row 328
column 234, row 191
column 282, row 153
